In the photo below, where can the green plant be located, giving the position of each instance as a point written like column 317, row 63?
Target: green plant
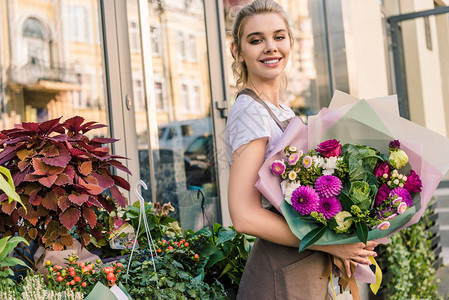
column 81, row 276
column 409, row 259
column 7, row 245
column 60, row 175
column 172, row 280
column 159, row 221
column 224, row 252
column 33, row 287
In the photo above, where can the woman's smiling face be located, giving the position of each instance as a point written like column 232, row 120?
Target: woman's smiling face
column 265, row 46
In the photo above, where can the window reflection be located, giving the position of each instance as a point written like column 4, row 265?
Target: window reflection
column 183, row 154
column 51, row 62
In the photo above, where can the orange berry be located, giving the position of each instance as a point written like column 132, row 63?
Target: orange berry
column 72, row 273
column 186, row 244
column 159, row 250
column 83, row 284
column 72, row 282
column 110, row 276
column 77, row 279
column 59, row 278
column 196, row 256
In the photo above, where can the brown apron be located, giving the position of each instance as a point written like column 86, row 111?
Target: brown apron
column 274, row 271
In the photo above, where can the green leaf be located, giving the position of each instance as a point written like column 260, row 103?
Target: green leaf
column 346, row 202
column 312, row 237
column 3, row 243
column 11, row 261
column 362, row 232
column 8, row 186
column 11, row 244
column 208, row 250
column 226, row 234
column 216, row 257
column 226, row 269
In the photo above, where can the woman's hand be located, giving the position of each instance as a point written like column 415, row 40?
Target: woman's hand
column 357, row 252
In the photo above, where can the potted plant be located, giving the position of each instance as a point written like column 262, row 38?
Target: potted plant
column 60, row 175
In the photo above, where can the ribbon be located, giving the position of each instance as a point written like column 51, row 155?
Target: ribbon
column 344, row 280
column 375, row 286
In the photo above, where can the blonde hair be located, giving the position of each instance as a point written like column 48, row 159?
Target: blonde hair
column 257, row 7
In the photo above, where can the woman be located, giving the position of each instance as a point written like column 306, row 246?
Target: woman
column 262, row 41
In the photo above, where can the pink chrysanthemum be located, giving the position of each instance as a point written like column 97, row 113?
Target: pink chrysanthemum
column 384, row 225
column 404, row 194
column 305, row 200
column 328, row 186
column 278, row 167
column 307, row 161
column 402, row 208
column 293, row 159
column 329, row 207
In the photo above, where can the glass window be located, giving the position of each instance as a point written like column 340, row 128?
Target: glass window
column 159, row 96
column 155, row 41
column 49, row 74
column 181, row 45
column 139, row 98
column 134, row 39
column 180, row 107
column 36, row 43
column 191, row 48
column 78, row 25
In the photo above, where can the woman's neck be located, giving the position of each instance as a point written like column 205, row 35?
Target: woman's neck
column 268, row 91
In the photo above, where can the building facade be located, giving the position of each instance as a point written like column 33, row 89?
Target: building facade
column 158, row 73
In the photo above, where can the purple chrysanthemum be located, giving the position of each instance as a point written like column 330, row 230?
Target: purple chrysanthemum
column 328, row 186
column 404, row 194
column 329, row 207
column 305, row 200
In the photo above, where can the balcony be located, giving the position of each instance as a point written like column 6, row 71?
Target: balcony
column 34, row 73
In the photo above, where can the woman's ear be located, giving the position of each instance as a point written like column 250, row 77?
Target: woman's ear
column 235, row 52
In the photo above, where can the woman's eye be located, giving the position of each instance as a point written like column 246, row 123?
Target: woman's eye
column 255, row 41
column 280, row 37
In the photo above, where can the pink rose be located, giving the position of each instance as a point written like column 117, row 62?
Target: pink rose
column 329, row 148
column 381, row 169
column 413, row 183
column 382, row 193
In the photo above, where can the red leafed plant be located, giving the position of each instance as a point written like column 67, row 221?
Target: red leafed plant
column 60, row 175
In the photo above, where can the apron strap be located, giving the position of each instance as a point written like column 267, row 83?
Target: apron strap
column 282, row 124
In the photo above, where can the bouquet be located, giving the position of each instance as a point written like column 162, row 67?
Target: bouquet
column 346, row 189
column 364, row 130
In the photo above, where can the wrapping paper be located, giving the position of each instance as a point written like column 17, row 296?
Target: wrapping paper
column 374, row 122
